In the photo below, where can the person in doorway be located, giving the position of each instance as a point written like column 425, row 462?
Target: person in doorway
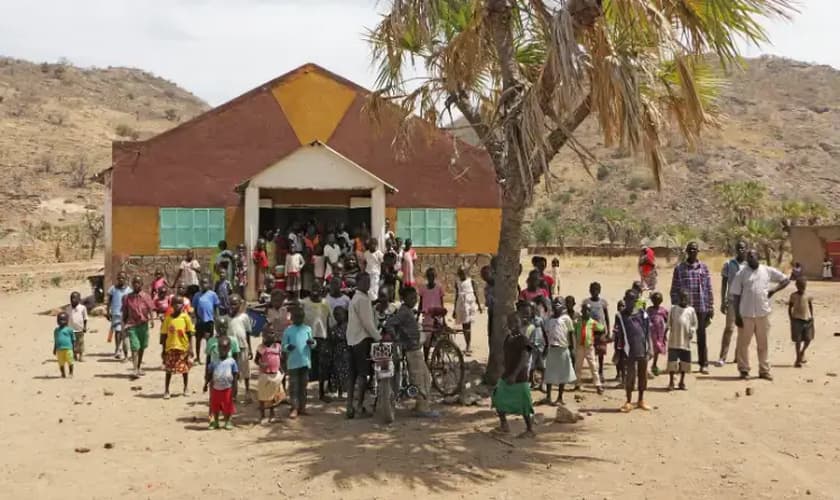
column 801, row 314
column 138, row 318
column 361, row 332
column 409, row 257
column 261, row 264
column 693, row 276
column 114, row 314
column 188, row 272
column 294, row 268
column 752, row 291
column 332, row 254
column 730, row 270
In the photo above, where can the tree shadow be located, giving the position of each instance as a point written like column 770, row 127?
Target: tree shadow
column 719, row 378
column 432, row 453
column 124, row 376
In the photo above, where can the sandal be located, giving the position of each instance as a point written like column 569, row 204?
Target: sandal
column 682, row 387
column 627, row 408
column 643, row 406
column 213, row 425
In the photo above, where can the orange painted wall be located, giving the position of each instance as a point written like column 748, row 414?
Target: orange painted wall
column 478, row 230
column 136, row 230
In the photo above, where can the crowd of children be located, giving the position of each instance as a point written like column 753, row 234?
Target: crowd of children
column 311, row 335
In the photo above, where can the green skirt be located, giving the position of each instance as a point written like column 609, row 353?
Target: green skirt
column 514, row 399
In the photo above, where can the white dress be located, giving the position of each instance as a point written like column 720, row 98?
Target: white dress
column 467, row 307
column 827, row 269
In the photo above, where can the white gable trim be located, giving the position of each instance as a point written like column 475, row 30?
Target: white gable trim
column 317, row 166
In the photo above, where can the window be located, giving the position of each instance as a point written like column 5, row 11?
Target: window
column 428, row 227
column 191, row 227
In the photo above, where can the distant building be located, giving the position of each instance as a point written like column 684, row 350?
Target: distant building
column 810, row 244
column 297, row 147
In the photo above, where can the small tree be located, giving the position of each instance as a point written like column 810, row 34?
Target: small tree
column 79, row 173
column 171, row 115
column 615, row 220
column 743, row 200
column 95, row 223
column 543, row 230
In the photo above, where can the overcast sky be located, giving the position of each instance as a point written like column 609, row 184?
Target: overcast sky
column 219, row 49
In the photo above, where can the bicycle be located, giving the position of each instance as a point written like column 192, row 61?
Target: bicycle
column 443, row 357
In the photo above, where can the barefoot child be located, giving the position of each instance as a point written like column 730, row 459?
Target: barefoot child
column 340, row 361
column 585, row 347
column 138, row 319
column 114, row 306
column 658, row 329
column 261, row 265
column 239, row 328
column 466, row 303
column 270, row 385
column 222, row 375
column 77, row 312
column 316, row 313
column 63, row 339
column 801, row 314
column 635, row 330
column 297, row 344
column 513, row 392
column 683, row 325
column 599, row 310
column 559, row 370
column 177, row 333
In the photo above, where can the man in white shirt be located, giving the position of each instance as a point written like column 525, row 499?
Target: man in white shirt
column 751, row 294
column 361, row 332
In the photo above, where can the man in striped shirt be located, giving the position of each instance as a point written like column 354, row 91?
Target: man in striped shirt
column 693, row 276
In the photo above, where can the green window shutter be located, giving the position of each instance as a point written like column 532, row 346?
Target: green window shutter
column 191, row 227
column 428, row 227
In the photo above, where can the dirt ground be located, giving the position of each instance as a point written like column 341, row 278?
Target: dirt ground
column 710, row 442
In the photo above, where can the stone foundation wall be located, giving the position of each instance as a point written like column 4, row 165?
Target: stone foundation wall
column 145, row 266
column 446, row 266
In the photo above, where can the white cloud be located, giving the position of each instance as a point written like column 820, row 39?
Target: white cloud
column 221, row 48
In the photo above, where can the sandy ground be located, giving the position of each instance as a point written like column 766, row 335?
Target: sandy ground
column 780, row 442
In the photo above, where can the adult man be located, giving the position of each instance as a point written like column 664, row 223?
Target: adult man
column 730, row 269
column 361, row 332
column 404, row 326
column 693, row 276
column 647, row 268
column 751, row 295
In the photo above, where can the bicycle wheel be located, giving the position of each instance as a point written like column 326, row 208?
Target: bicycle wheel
column 446, row 365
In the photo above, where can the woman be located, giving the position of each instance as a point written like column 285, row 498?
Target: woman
column 647, row 269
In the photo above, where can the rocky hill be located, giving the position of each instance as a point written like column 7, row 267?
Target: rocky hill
column 781, row 126
column 57, row 122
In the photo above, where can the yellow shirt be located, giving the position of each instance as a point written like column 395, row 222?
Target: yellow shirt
column 177, row 331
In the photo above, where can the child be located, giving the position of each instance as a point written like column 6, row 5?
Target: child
column 373, row 266
column 538, row 312
column 277, row 314
column 78, row 315
column 268, row 289
column 797, row 272
column 828, row 268
column 319, row 264
column 641, row 303
column 260, row 258
column 63, row 340
column 635, row 329
column 618, row 347
column 658, row 316
column 223, row 375
column 270, row 385
column 297, row 344
column 224, row 261
column 546, row 281
column 801, row 314
column 585, row 347
column 390, row 277
column 513, row 392
column 339, row 368
column 241, row 266
column 239, row 328
column 224, row 290
column 206, row 304
column 533, row 289
column 162, row 300
column 177, row 333
column 682, row 322
column 570, row 303
column 555, row 275
column 558, row 363
column 599, row 310
column 409, row 256
column 294, row 266
column 138, row 319
column 113, row 306
column 317, row 316
column 158, row 283
column 466, row 303
column 431, row 298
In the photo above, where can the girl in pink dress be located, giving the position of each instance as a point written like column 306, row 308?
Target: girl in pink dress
column 431, row 297
column 658, row 329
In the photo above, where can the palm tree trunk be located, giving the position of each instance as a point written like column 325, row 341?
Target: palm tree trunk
column 506, row 274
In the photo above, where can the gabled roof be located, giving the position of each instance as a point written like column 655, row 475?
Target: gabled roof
column 318, row 144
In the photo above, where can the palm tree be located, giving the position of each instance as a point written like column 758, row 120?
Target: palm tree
column 526, row 73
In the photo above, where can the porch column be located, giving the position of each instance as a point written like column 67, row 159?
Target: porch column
column 252, row 227
column 377, row 211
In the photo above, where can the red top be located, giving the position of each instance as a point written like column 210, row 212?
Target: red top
column 138, row 308
column 261, row 259
column 530, row 296
column 648, row 266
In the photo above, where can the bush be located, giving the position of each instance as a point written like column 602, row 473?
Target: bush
column 25, row 282
column 56, row 281
column 638, row 182
column 563, row 198
column 603, row 172
column 56, row 119
column 171, row 115
column 124, row 130
column 543, row 231
column 79, row 173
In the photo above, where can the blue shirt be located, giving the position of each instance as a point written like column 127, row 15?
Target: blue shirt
column 300, row 357
column 115, row 295
column 64, row 338
column 222, row 373
column 205, row 304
